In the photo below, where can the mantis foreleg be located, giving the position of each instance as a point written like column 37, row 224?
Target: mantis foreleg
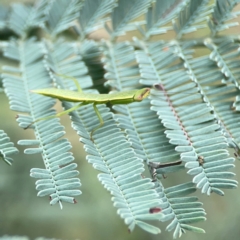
column 100, row 119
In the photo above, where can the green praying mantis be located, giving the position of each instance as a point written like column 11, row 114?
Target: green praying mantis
column 124, row 97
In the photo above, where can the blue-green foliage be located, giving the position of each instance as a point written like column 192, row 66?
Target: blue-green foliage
column 144, row 131
column 192, row 17
column 191, row 116
column 6, row 148
column 61, row 15
column 160, row 13
column 3, row 17
column 93, row 15
column 124, row 13
column 221, row 14
column 183, row 113
column 24, row 18
column 112, row 155
column 183, row 210
column 58, row 178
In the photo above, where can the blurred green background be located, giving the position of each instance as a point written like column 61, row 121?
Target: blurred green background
column 93, row 217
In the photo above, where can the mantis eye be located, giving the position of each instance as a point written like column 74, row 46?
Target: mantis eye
column 145, row 93
column 141, row 94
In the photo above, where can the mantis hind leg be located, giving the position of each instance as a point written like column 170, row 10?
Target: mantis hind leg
column 57, row 115
column 100, row 120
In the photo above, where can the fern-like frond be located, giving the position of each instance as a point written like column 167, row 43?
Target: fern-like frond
column 119, row 172
column 220, row 97
column 64, row 59
column 18, row 18
column 6, row 148
column 181, row 110
column 144, row 131
column 199, row 148
column 24, row 17
column 220, row 108
column 192, row 17
column 159, row 14
column 58, row 178
column 222, row 12
column 111, row 154
column 123, row 73
column 92, row 14
column 4, row 12
column 91, row 55
column 226, row 56
column 181, row 210
column 124, row 13
column 152, row 67
column 61, row 15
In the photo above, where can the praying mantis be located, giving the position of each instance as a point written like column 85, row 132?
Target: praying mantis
column 124, row 97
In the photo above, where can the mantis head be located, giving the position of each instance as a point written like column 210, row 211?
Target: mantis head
column 141, row 94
